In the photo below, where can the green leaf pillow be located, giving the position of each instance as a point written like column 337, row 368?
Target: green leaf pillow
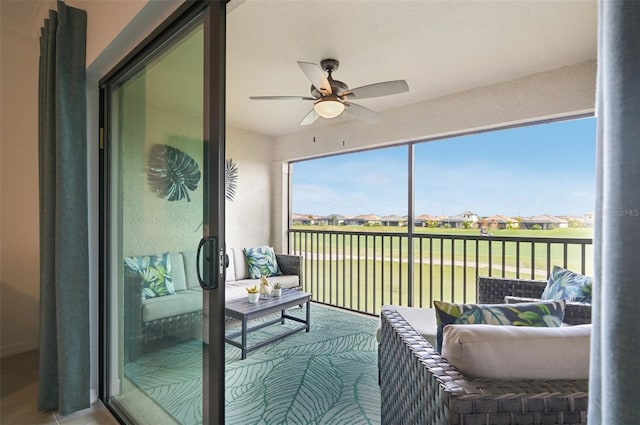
column 262, row 262
column 155, row 272
column 566, row 285
column 541, row 314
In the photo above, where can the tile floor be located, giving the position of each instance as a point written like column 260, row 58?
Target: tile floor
column 19, row 397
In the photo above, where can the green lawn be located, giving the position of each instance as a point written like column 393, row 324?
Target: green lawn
column 363, row 271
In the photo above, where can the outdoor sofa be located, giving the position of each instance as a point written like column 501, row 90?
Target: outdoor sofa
column 180, row 315
column 419, row 386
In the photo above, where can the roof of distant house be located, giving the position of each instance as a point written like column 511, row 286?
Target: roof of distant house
column 461, row 217
column 370, row 217
column 427, row 217
column 392, row 218
column 298, row 216
column 544, row 219
column 500, row 219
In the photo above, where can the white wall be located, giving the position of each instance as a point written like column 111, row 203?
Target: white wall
column 280, row 205
column 150, row 223
column 249, row 215
column 19, row 203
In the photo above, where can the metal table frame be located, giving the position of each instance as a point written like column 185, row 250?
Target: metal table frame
column 243, row 311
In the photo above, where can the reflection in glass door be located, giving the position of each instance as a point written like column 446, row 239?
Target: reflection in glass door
column 159, row 200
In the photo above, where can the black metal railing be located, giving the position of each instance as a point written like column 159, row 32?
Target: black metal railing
column 362, row 271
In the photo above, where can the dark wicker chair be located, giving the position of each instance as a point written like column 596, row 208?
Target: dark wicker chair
column 492, row 290
column 418, row 386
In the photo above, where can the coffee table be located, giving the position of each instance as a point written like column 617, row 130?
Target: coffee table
column 243, row 311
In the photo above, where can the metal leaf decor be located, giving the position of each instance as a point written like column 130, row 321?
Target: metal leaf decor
column 230, row 179
column 172, row 173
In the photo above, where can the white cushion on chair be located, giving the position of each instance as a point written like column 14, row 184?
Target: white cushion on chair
column 177, row 272
column 190, row 271
column 518, row 352
column 423, row 320
column 240, row 263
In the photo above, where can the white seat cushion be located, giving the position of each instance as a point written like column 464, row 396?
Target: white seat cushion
column 518, row 352
column 234, row 291
column 423, row 320
column 171, row 305
column 285, row 281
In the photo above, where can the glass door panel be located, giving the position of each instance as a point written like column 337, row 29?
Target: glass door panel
column 157, row 198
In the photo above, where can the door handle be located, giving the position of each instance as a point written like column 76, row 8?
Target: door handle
column 209, row 281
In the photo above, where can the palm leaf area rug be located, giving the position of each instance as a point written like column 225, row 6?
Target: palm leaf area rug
column 326, row 376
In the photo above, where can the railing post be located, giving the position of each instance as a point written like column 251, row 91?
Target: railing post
column 410, row 224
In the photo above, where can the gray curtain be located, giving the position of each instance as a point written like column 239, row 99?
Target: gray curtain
column 64, row 272
column 614, row 387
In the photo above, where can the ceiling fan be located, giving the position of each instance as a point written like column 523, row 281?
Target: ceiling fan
column 332, row 97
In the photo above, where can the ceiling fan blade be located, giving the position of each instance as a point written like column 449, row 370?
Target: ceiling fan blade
column 315, row 74
column 310, row 118
column 378, row 89
column 282, row 98
column 362, row 113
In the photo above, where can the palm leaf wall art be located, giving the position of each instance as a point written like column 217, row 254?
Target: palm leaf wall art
column 230, row 179
column 172, row 173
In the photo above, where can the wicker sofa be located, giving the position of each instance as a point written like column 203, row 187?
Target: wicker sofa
column 419, row 386
column 180, row 315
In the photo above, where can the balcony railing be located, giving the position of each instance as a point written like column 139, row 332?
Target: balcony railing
column 361, row 271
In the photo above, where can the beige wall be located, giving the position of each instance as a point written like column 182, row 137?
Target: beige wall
column 114, row 28
column 103, row 25
column 19, row 222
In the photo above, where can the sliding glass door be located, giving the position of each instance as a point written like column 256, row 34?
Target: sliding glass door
column 162, row 158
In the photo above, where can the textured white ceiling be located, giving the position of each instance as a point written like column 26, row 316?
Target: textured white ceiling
column 439, row 47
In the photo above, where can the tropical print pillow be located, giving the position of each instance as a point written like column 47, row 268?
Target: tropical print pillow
column 541, row 314
column 155, row 272
column 566, row 285
column 262, row 262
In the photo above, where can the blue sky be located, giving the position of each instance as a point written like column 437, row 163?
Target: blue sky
column 525, row 171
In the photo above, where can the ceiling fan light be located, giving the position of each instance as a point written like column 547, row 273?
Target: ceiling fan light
column 329, row 108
